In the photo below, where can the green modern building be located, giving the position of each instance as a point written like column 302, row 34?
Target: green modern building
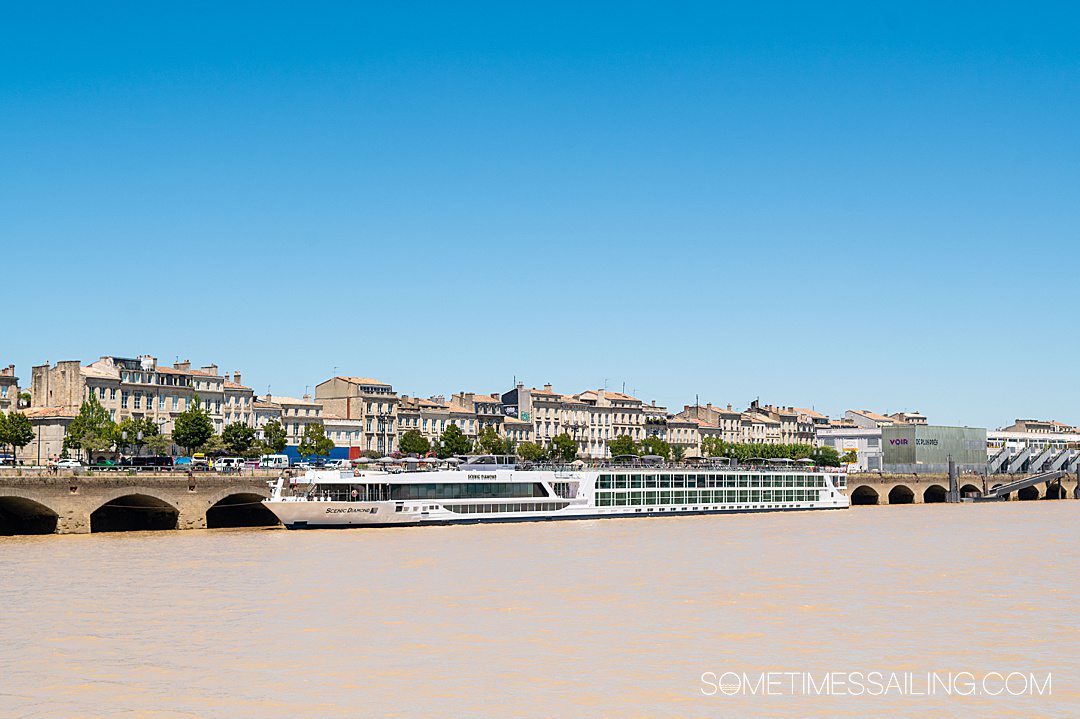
column 927, row 448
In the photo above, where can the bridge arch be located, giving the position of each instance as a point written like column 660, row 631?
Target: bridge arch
column 970, row 490
column 1056, row 491
column 240, row 509
column 134, row 511
column 863, row 495
column 934, row 494
column 20, row 515
column 901, row 494
column 1028, row 493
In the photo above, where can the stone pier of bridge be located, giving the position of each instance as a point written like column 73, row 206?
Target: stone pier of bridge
column 39, row 503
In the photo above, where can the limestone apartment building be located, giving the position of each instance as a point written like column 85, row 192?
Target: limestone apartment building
column 141, row 388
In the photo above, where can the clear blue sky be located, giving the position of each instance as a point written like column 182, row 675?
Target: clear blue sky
column 839, row 205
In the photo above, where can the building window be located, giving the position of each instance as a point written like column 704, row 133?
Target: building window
column 123, row 400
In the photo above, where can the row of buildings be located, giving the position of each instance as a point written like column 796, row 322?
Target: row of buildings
column 364, row 414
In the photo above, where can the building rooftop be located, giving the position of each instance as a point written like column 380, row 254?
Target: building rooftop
column 294, row 400
column 363, row 380
column 43, row 412
column 872, row 415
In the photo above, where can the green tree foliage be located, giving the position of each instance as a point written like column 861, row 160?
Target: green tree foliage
column 159, row 444
column 15, row 432
column 239, row 439
column 850, row 457
column 134, row 427
column 453, row 442
column 214, row 446
column 742, row 451
column 624, row 444
column 530, row 451
column 193, row 427
column 825, row 456
column 370, row 454
column 315, row 442
column 92, row 430
column 489, row 442
column 678, row 452
column 274, row 437
column 412, row 442
column 563, row 447
column 655, row 446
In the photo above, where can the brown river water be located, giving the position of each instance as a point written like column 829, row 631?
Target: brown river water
column 609, row 618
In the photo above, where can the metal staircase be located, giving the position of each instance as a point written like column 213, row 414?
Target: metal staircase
column 1006, row 489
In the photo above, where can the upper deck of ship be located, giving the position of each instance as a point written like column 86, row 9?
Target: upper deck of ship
column 486, row 467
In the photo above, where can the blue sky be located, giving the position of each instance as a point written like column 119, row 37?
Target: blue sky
column 838, row 205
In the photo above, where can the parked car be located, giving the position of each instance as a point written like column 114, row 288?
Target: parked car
column 274, row 461
column 155, row 462
column 69, row 464
column 338, row 464
column 200, row 461
column 228, row 464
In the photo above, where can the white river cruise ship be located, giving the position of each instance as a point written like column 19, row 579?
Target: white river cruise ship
column 492, row 489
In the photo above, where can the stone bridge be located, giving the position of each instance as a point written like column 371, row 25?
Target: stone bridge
column 46, row 504
column 874, row 488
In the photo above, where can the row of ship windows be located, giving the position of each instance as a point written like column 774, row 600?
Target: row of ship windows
column 493, row 508
column 618, row 499
column 678, row 481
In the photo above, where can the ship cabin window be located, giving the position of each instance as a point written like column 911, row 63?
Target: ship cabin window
column 468, row 490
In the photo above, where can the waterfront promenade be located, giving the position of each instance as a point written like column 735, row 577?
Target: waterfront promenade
column 37, row 502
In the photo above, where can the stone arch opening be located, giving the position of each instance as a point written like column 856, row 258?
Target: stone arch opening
column 970, row 490
column 19, row 515
column 134, row 513
column 934, row 494
column 1055, row 491
column 244, row 509
column 864, row 495
column 901, row 495
column 1027, row 494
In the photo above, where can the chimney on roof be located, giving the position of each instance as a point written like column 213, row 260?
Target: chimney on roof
column 548, row 386
column 307, row 397
column 8, row 371
column 521, row 385
column 708, row 405
column 236, row 377
column 654, row 403
column 211, row 369
column 729, row 407
column 686, row 408
column 185, row 365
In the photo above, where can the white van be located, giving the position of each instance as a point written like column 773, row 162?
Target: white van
column 274, row 461
column 228, row 464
